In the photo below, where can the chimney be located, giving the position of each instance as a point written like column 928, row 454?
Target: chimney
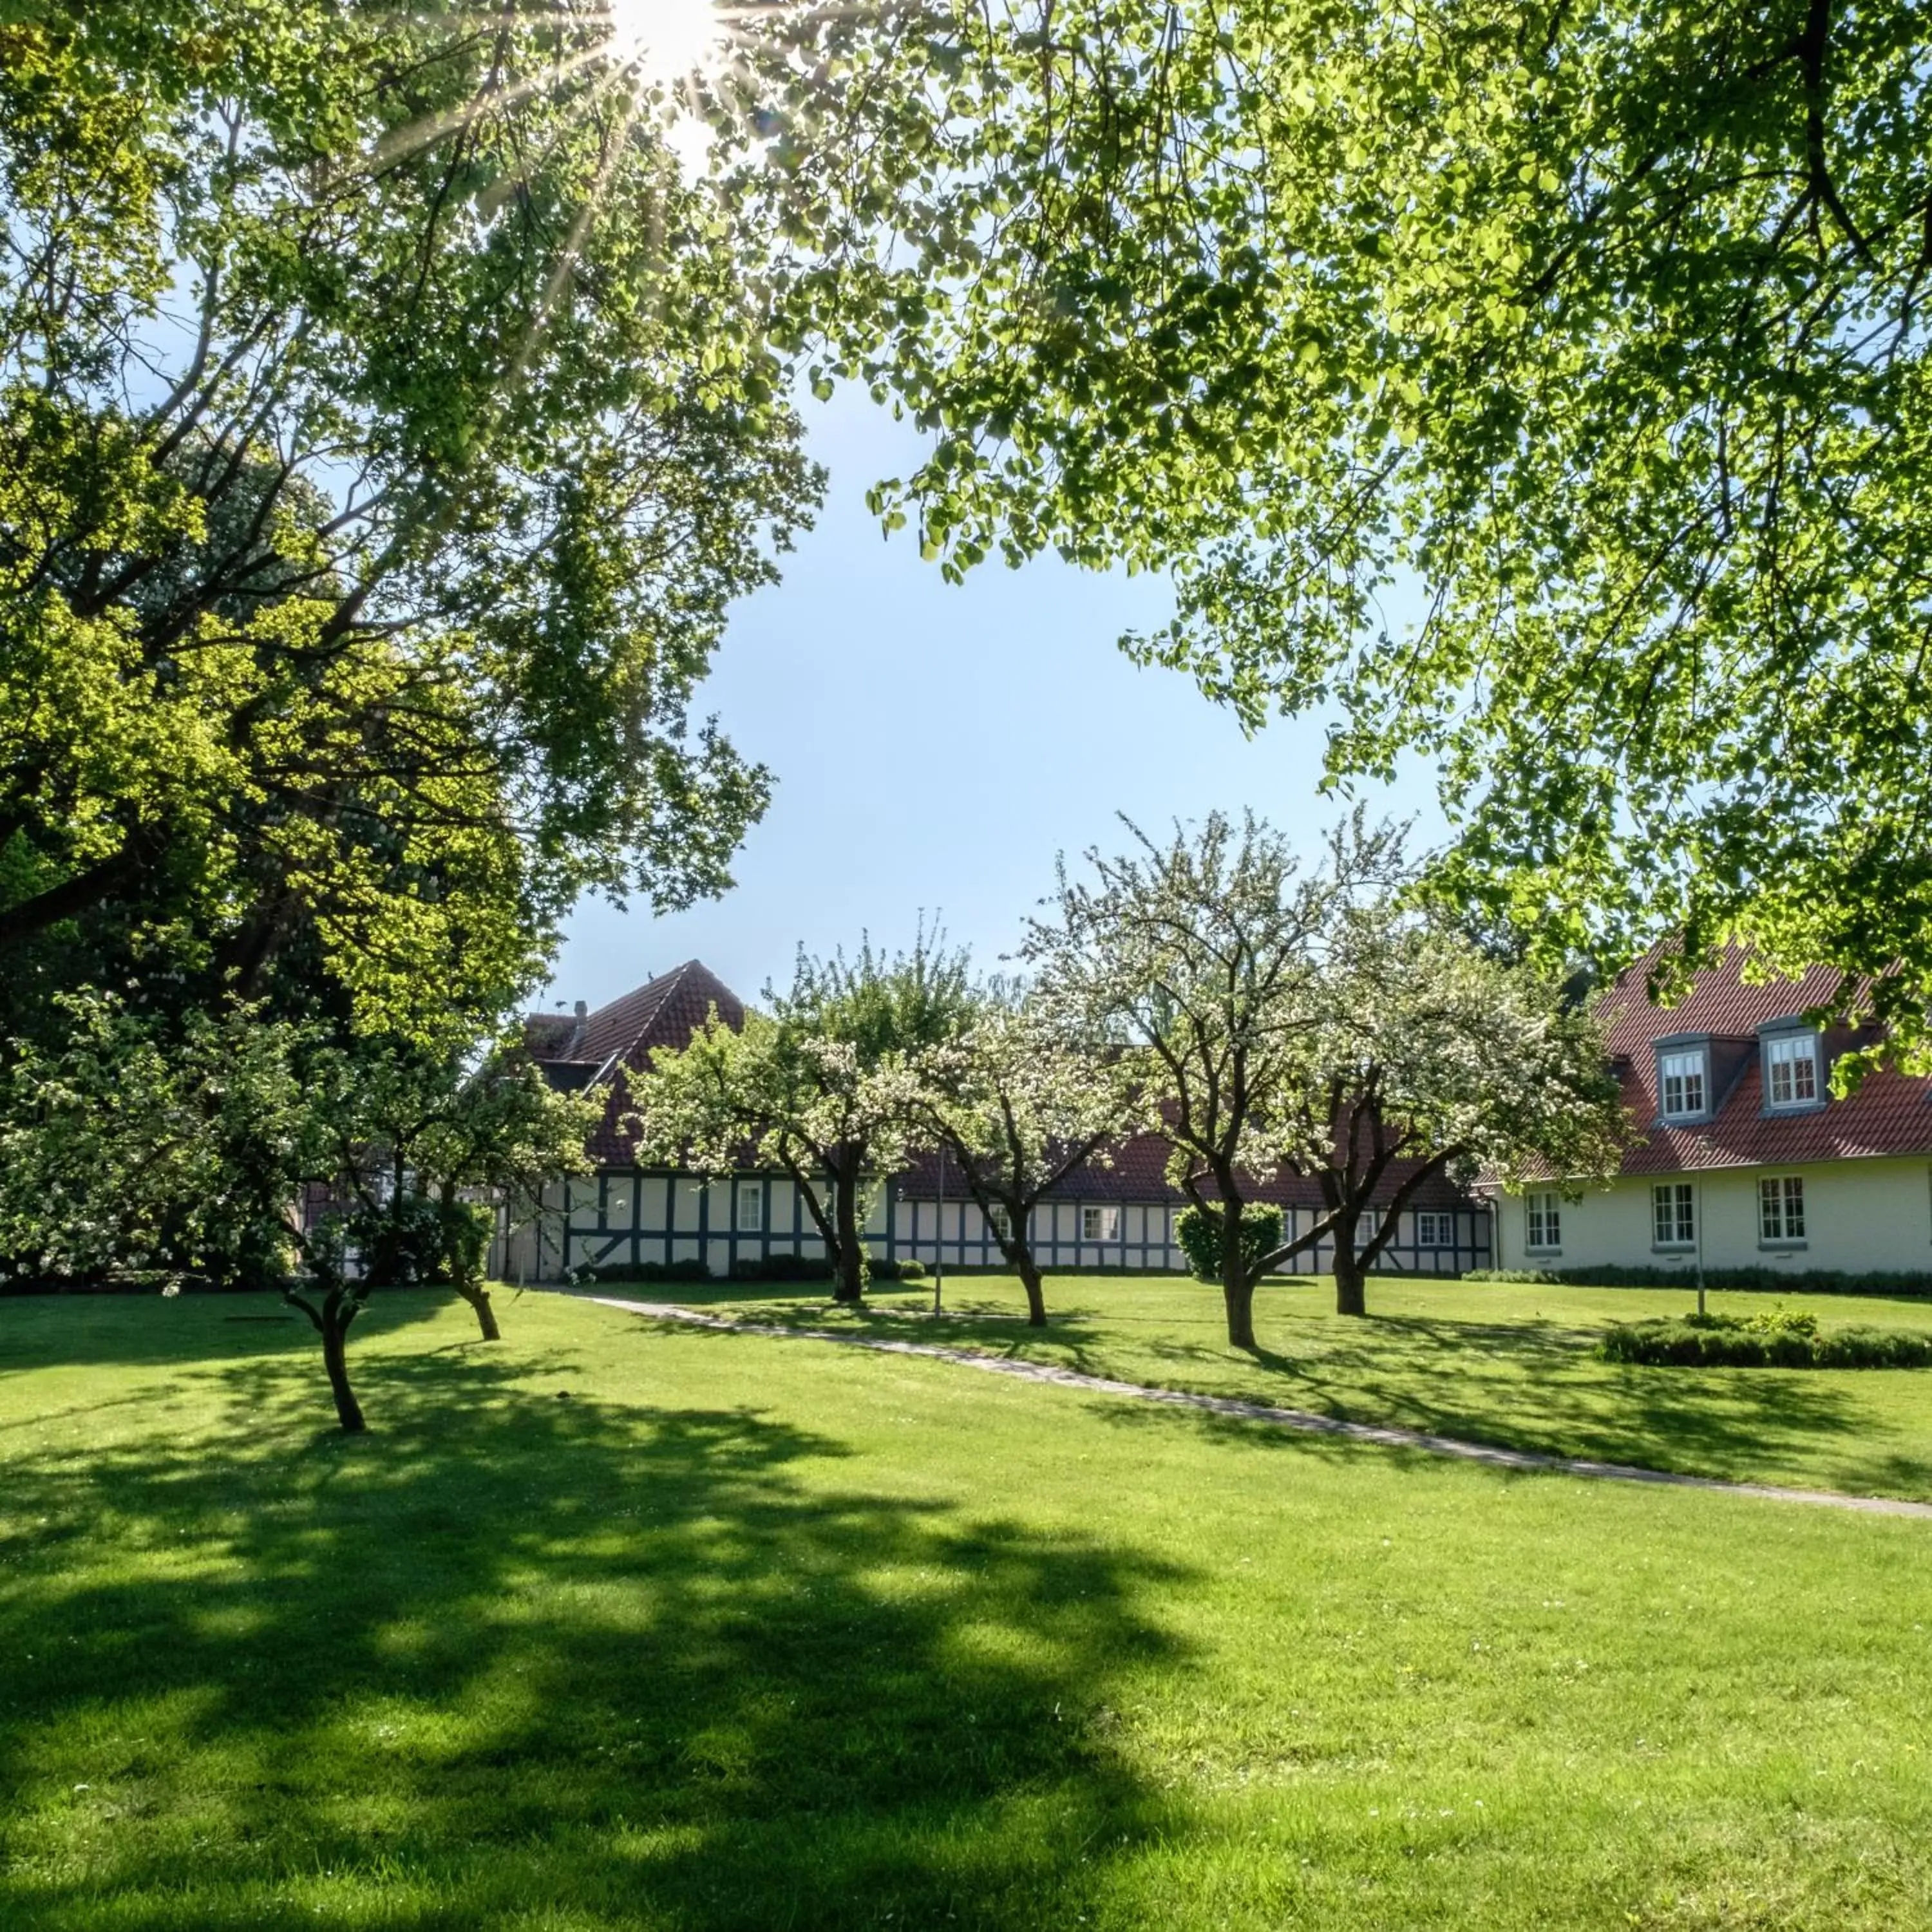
column 577, row 1031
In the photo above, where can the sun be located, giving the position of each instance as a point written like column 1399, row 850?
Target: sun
column 667, row 39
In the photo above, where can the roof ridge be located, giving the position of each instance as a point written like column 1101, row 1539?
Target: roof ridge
column 663, row 986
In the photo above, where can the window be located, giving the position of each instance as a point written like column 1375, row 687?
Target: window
column 997, row 1223
column 747, row 1213
column 1674, row 1214
column 1780, row 1209
column 1683, row 1085
column 1545, row 1222
column 1099, row 1224
column 1435, row 1231
column 1791, row 1070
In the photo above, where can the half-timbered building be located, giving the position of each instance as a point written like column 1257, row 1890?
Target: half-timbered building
column 1120, row 1215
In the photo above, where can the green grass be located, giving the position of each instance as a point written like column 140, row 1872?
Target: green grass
column 748, row 1633
column 1496, row 1361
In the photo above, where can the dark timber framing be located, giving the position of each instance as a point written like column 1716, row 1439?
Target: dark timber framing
column 627, row 1216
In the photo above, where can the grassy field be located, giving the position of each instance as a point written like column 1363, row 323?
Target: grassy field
column 612, row 1625
column 1500, row 1362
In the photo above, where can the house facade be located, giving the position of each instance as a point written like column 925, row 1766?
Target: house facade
column 1120, row 1216
column 1743, row 1158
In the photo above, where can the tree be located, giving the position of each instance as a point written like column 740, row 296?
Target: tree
column 1605, row 327
column 1434, row 1057
column 165, row 1152
column 1019, row 1101
column 821, row 1086
column 1209, row 953
column 424, row 1134
column 390, row 426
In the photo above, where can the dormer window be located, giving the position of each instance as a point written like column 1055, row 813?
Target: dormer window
column 1683, row 1081
column 1791, row 1070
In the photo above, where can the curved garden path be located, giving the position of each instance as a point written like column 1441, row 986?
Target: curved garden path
column 1492, row 1454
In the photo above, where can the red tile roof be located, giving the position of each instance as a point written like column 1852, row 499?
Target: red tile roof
column 1139, row 1174
column 1889, row 1114
column 621, row 1037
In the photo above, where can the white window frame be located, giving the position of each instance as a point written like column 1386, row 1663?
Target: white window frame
column 1673, row 1215
column 1435, row 1228
column 748, row 1208
column 1794, row 1056
column 995, row 1218
column 1543, row 1223
column 1781, row 1210
column 1099, row 1222
column 1689, row 1071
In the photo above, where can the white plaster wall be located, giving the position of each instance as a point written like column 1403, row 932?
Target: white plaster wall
column 1858, row 1214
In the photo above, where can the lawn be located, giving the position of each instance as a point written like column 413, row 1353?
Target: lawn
column 614, row 1625
column 1498, row 1361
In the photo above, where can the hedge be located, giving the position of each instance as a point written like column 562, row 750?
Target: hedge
column 1750, row 1280
column 1779, row 1339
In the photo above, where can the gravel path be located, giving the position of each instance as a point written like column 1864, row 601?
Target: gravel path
column 1305, row 1420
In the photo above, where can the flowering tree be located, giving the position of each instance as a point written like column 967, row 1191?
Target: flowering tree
column 821, row 1086
column 423, row 1132
column 1018, row 1100
column 1209, row 954
column 138, row 1147
column 1432, row 1055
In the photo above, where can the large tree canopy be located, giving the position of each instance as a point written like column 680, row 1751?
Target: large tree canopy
column 389, row 425
column 1606, row 326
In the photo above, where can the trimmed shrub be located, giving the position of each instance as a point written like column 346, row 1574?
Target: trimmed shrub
column 1199, row 1232
column 1767, row 1280
column 782, row 1265
column 1782, row 1338
column 693, row 1270
column 906, row 1271
column 1533, row 1277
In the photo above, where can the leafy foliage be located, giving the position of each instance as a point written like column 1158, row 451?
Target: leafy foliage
column 134, row 1145
column 392, row 426
column 1604, row 326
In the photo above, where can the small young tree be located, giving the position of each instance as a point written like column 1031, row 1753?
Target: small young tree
column 1018, row 1101
column 821, row 1085
column 425, row 1129
column 1207, row 953
column 1435, row 1055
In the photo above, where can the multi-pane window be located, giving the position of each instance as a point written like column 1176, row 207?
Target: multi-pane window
column 1099, row 1224
column 1434, row 1230
column 1543, row 1221
column 1791, row 1069
column 748, row 1214
column 1674, row 1214
column 1780, row 1208
column 1683, row 1085
column 998, row 1223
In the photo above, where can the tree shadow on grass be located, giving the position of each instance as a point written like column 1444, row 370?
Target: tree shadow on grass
column 43, row 1330
column 516, row 1655
column 1537, row 1385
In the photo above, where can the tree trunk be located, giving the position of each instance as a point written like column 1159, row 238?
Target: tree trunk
column 338, row 1310
column 850, row 1261
column 1021, row 1256
column 1351, row 1282
column 1237, row 1291
column 478, row 1297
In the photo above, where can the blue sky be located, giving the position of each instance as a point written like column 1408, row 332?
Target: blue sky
column 934, row 746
